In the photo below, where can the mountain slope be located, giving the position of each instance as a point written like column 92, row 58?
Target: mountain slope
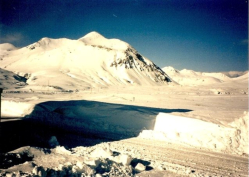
column 90, row 61
column 11, row 80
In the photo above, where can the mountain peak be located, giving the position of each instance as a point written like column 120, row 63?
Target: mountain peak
column 44, row 41
column 96, row 39
column 170, row 69
column 92, row 36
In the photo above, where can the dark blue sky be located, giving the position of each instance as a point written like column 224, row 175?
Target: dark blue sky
column 202, row 35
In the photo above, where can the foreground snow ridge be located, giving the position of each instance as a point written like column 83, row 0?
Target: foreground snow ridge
column 198, row 133
column 114, row 120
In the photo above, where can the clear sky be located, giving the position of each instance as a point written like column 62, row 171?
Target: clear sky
column 202, row 35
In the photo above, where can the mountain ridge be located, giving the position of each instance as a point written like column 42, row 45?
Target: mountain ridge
column 190, row 77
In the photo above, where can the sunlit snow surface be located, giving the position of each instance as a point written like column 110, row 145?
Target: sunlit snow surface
column 193, row 132
column 104, row 87
column 92, row 61
column 130, row 121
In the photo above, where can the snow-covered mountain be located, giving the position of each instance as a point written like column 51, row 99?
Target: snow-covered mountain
column 190, row 77
column 90, row 61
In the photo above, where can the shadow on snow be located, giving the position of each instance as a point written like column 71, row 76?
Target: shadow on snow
column 78, row 123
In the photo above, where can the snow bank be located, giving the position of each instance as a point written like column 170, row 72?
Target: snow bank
column 96, row 117
column 121, row 121
column 16, row 109
column 231, row 139
column 241, row 124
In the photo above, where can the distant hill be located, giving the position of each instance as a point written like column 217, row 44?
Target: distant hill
column 190, row 77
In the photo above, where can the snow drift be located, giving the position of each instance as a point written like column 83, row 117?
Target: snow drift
column 114, row 120
column 16, row 109
column 231, row 139
column 124, row 121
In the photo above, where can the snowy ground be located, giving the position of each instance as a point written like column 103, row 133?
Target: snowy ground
column 204, row 122
column 97, row 107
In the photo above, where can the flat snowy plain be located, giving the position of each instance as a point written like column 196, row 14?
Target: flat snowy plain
column 117, row 116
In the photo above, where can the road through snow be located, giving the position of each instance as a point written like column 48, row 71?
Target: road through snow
column 175, row 160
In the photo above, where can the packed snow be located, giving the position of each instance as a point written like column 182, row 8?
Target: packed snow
column 104, row 89
column 198, row 133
